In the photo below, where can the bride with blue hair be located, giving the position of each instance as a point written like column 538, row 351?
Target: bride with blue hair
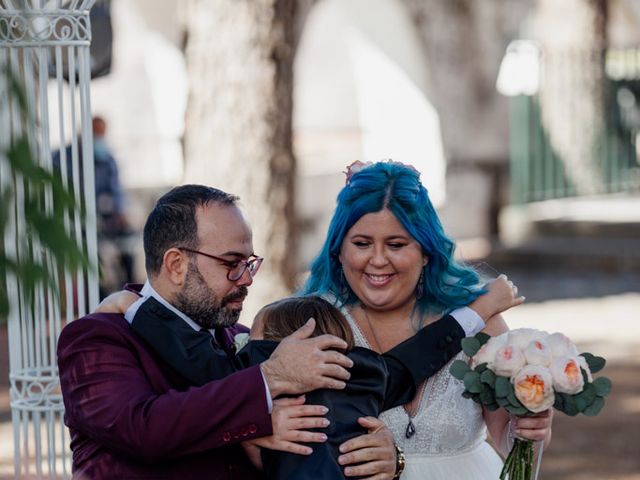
column 388, row 265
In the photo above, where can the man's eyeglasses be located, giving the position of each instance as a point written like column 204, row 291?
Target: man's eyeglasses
column 235, row 268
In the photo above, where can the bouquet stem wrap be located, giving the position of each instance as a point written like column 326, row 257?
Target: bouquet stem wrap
column 523, row 461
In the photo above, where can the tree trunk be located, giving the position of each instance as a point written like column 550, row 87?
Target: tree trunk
column 238, row 123
column 573, row 37
column 464, row 42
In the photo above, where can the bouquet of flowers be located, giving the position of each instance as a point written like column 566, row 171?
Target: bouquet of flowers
column 526, row 371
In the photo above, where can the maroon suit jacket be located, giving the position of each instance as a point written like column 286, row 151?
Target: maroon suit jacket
column 132, row 417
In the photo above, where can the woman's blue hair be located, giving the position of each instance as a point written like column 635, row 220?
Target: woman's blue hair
column 448, row 284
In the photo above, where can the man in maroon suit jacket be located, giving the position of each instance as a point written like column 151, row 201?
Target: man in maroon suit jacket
column 131, row 416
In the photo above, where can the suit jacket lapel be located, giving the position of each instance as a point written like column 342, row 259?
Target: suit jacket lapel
column 193, row 354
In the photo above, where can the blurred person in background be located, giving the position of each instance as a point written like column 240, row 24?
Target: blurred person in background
column 115, row 235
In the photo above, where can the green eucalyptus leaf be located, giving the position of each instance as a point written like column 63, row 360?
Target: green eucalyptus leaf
column 516, row 410
column 503, row 387
column 487, row 396
column 513, row 400
column 470, row 346
column 458, row 369
column 585, row 398
column 481, row 367
column 472, row 382
column 489, row 378
column 593, row 409
column 570, row 407
column 602, row 386
column 482, row 337
column 595, row 363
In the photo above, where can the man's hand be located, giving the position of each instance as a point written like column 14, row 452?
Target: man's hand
column 300, row 364
column 374, row 452
column 291, row 418
column 501, row 296
column 118, row 302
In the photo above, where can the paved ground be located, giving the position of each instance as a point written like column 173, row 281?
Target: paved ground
column 599, row 310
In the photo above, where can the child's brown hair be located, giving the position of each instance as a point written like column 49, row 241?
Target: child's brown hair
column 285, row 316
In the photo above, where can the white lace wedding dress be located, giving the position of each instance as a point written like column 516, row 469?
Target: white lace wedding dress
column 449, row 442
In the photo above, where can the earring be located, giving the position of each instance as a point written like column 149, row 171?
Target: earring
column 420, row 286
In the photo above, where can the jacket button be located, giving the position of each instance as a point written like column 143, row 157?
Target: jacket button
column 253, row 428
column 244, row 432
column 448, row 339
column 226, row 437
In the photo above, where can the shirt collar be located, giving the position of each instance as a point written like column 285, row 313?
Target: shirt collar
column 148, row 291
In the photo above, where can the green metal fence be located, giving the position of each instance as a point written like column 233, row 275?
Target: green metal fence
column 539, row 173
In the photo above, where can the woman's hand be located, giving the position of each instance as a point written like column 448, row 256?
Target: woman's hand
column 536, row 427
column 291, row 418
column 118, row 302
column 374, row 452
column 501, row 295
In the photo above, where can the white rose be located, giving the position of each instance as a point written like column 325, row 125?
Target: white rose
column 567, row 377
column 533, row 386
column 538, row 353
column 508, row 361
column 561, row 345
column 583, row 363
column 522, row 337
column 487, row 352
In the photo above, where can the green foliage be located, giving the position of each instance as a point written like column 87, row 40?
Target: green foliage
column 602, row 386
column 472, row 382
column 594, row 409
column 595, row 363
column 46, row 202
column 470, row 346
column 458, row 369
column 482, row 337
column 489, row 378
column 586, row 397
column 503, row 387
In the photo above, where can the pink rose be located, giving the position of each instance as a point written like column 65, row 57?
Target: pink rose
column 508, row 361
column 561, row 345
column 533, row 386
column 538, row 353
column 522, row 337
column 567, row 377
column 487, row 353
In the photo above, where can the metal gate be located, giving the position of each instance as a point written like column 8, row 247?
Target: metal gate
column 44, row 46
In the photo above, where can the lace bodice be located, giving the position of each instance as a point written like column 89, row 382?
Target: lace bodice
column 446, row 423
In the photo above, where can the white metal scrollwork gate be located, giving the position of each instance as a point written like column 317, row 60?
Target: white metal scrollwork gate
column 45, row 45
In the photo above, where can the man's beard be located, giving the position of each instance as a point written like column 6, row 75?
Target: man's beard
column 199, row 302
